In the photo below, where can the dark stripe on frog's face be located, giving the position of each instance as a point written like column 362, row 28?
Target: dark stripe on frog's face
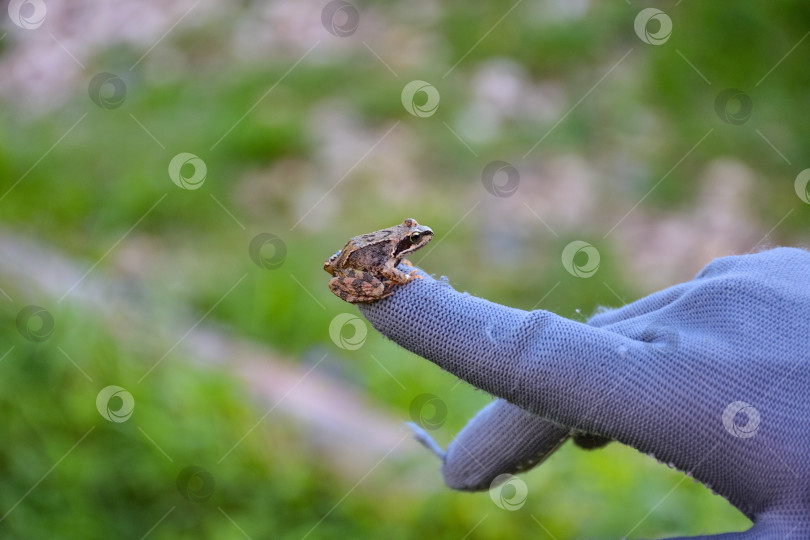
column 407, row 245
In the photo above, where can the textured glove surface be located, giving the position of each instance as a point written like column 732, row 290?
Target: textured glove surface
column 710, row 376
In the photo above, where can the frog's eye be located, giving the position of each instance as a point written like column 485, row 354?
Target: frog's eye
column 415, row 237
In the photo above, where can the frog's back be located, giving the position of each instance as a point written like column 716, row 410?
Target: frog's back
column 365, row 257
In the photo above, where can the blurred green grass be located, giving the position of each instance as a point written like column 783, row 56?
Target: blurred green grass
column 116, row 482
column 108, row 173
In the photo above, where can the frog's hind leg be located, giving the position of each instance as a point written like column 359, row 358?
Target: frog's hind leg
column 329, row 264
column 357, row 286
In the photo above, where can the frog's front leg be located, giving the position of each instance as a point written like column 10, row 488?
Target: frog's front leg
column 355, row 286
column 398, row 276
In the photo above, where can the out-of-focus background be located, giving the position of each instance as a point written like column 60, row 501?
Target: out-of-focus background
column 173, row 175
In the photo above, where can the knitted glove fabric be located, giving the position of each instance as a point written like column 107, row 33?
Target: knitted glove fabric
column 710, row 376
column 502, row 438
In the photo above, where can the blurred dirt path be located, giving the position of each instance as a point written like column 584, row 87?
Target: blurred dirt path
column 353, row 436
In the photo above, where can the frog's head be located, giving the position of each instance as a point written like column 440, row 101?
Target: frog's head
column 413, row 237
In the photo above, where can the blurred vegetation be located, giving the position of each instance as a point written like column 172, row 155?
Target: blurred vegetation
column 268, row 172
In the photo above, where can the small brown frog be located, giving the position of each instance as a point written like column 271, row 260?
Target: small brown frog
column 366, row 268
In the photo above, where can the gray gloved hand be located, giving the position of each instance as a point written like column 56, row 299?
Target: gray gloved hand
column 711, row 376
